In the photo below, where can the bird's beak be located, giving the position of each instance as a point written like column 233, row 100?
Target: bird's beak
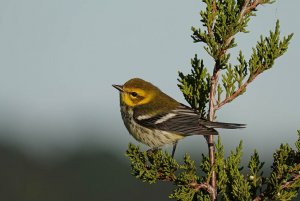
column 119, row 87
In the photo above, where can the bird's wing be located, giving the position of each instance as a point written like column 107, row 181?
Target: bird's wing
column 182, row 120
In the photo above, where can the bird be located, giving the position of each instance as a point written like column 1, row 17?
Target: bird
column 156, row 119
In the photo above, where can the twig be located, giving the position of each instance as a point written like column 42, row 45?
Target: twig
column 237, row 92
column 194, row 185
column 286, row 185
column 205, row 186
column 289, row 183
column 214, row 11
column 253, row 5
column 210, row 139
column 244, row 9
column 248, row 8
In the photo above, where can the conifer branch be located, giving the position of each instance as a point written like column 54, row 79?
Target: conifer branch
column 267, row 50
column 286, row 185
column 214, row 83
column 250, row 6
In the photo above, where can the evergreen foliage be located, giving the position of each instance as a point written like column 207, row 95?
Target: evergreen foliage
column 282, row 183
column 221, row 21
column 196, row 86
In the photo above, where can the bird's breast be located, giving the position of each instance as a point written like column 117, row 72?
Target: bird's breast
column 150, row 137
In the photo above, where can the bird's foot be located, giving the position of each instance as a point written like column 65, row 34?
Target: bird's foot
column 174, row 148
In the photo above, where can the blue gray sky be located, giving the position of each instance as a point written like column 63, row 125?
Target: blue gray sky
column 59, row 59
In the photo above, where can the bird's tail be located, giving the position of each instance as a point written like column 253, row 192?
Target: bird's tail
column 211, row 124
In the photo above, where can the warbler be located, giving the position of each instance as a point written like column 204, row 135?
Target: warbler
column 155, row 119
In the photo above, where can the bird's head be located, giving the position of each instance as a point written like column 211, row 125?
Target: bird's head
column 137, row 92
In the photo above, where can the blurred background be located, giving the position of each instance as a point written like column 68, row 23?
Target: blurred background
column 61, row 133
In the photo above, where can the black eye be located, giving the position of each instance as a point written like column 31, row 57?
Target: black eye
column 133, row 94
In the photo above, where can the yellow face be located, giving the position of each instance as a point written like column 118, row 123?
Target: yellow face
column 137, row 92
column 135, row 96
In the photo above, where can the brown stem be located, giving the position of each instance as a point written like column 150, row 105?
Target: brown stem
column 253, row 5
column 244, row 9
column 211, row 150
column 210, row 138
column 237, row 92
column 248, row 8
column 289, row 183
column 205, row 186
